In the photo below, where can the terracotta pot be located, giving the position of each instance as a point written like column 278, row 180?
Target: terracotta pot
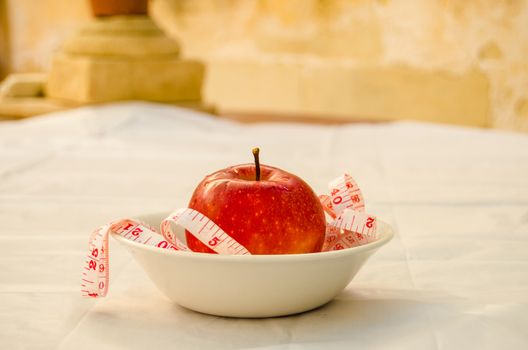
column 102, row 8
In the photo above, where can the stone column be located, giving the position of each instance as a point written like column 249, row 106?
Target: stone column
column 123, row 57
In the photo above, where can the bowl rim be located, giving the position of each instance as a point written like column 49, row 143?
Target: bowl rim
column 385, row 236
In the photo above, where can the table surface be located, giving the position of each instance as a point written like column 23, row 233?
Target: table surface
column 454, row 277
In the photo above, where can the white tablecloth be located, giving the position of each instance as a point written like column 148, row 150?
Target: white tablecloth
column 454, row 277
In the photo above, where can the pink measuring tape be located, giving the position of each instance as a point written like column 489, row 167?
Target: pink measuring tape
column 349, row 226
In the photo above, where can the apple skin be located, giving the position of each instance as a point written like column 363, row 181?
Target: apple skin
column 280, row 214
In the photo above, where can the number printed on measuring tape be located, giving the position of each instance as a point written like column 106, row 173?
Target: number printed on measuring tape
column 326, row 202
column 345, row 194
column 350, row 229
column 204, row 229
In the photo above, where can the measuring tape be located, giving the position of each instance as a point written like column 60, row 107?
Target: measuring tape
column 95, row 273
column 350, row 226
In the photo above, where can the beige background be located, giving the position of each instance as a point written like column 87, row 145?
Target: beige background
column 480, row 45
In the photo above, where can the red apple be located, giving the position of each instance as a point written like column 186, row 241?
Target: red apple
column 266, row 209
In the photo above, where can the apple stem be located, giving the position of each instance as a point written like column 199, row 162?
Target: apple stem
column 256, row 151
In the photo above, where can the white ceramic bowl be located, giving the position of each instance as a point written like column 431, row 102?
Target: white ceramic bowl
column 251, row 285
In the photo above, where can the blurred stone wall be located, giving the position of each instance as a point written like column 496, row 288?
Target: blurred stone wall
column 473, row 50
column 35, row 29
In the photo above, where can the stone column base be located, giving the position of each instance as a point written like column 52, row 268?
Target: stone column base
column 123, row 58
column 92, row 79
